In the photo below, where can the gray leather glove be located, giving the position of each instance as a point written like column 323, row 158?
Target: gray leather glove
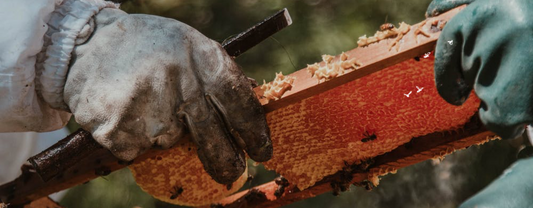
column 142, row 81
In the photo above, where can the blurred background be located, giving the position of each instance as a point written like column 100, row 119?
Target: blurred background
column 319, row 27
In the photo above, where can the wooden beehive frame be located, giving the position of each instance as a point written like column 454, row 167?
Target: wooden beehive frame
column 373, row 58
column 29, row 186
column 430, row 146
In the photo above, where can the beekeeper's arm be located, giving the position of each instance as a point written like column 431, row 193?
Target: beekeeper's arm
column 23, row 27
column 488, row 47
column 138, row 81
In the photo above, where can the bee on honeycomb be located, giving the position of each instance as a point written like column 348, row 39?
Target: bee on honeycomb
column 282, row 184
column 386, row 26
column 387, row 30
column 175, row 192
column 368, row 137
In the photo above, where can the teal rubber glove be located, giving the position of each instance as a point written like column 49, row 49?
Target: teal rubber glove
column 437, row 7
column 513, row 188
column 488, row 47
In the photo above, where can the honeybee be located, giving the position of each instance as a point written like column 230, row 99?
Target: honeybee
column 335, row 188
column 365, row 184
column 368, row 137
column 282, row 184
column 342, row 184
column 175, row 192
column 249, row 179
column 229, row 186
column 386, row 26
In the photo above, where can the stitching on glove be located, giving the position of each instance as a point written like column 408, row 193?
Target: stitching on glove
column 85, row 32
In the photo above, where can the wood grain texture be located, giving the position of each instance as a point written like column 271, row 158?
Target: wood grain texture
column 29, row 186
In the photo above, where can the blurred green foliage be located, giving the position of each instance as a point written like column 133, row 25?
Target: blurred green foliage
column 115, row 190
column 319, row 27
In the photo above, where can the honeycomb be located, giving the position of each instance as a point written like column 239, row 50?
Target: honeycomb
column 420, row 30
column 177, row 176
column 384, row 34
column 275, row 89
column 313, row 137
column 332, row 69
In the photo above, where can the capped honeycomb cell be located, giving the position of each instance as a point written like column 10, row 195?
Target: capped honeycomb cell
column 313, row 137
column 177, row 176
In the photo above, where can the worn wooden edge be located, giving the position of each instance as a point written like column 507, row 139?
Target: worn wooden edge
column 434, row 145
column 29, row 186
column 49, row 164
column 45, row 202
column 373, row 57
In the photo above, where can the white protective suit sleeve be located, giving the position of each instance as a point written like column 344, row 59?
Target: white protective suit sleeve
column 38, row 37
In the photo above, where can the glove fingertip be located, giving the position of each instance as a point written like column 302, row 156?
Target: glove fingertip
column 455, row 93
column 450, row 83
column 264, row 152
column 437, row 7
column 431, row 11
column 449, row 79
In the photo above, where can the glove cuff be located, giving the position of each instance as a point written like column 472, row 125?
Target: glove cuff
column 70, row 24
